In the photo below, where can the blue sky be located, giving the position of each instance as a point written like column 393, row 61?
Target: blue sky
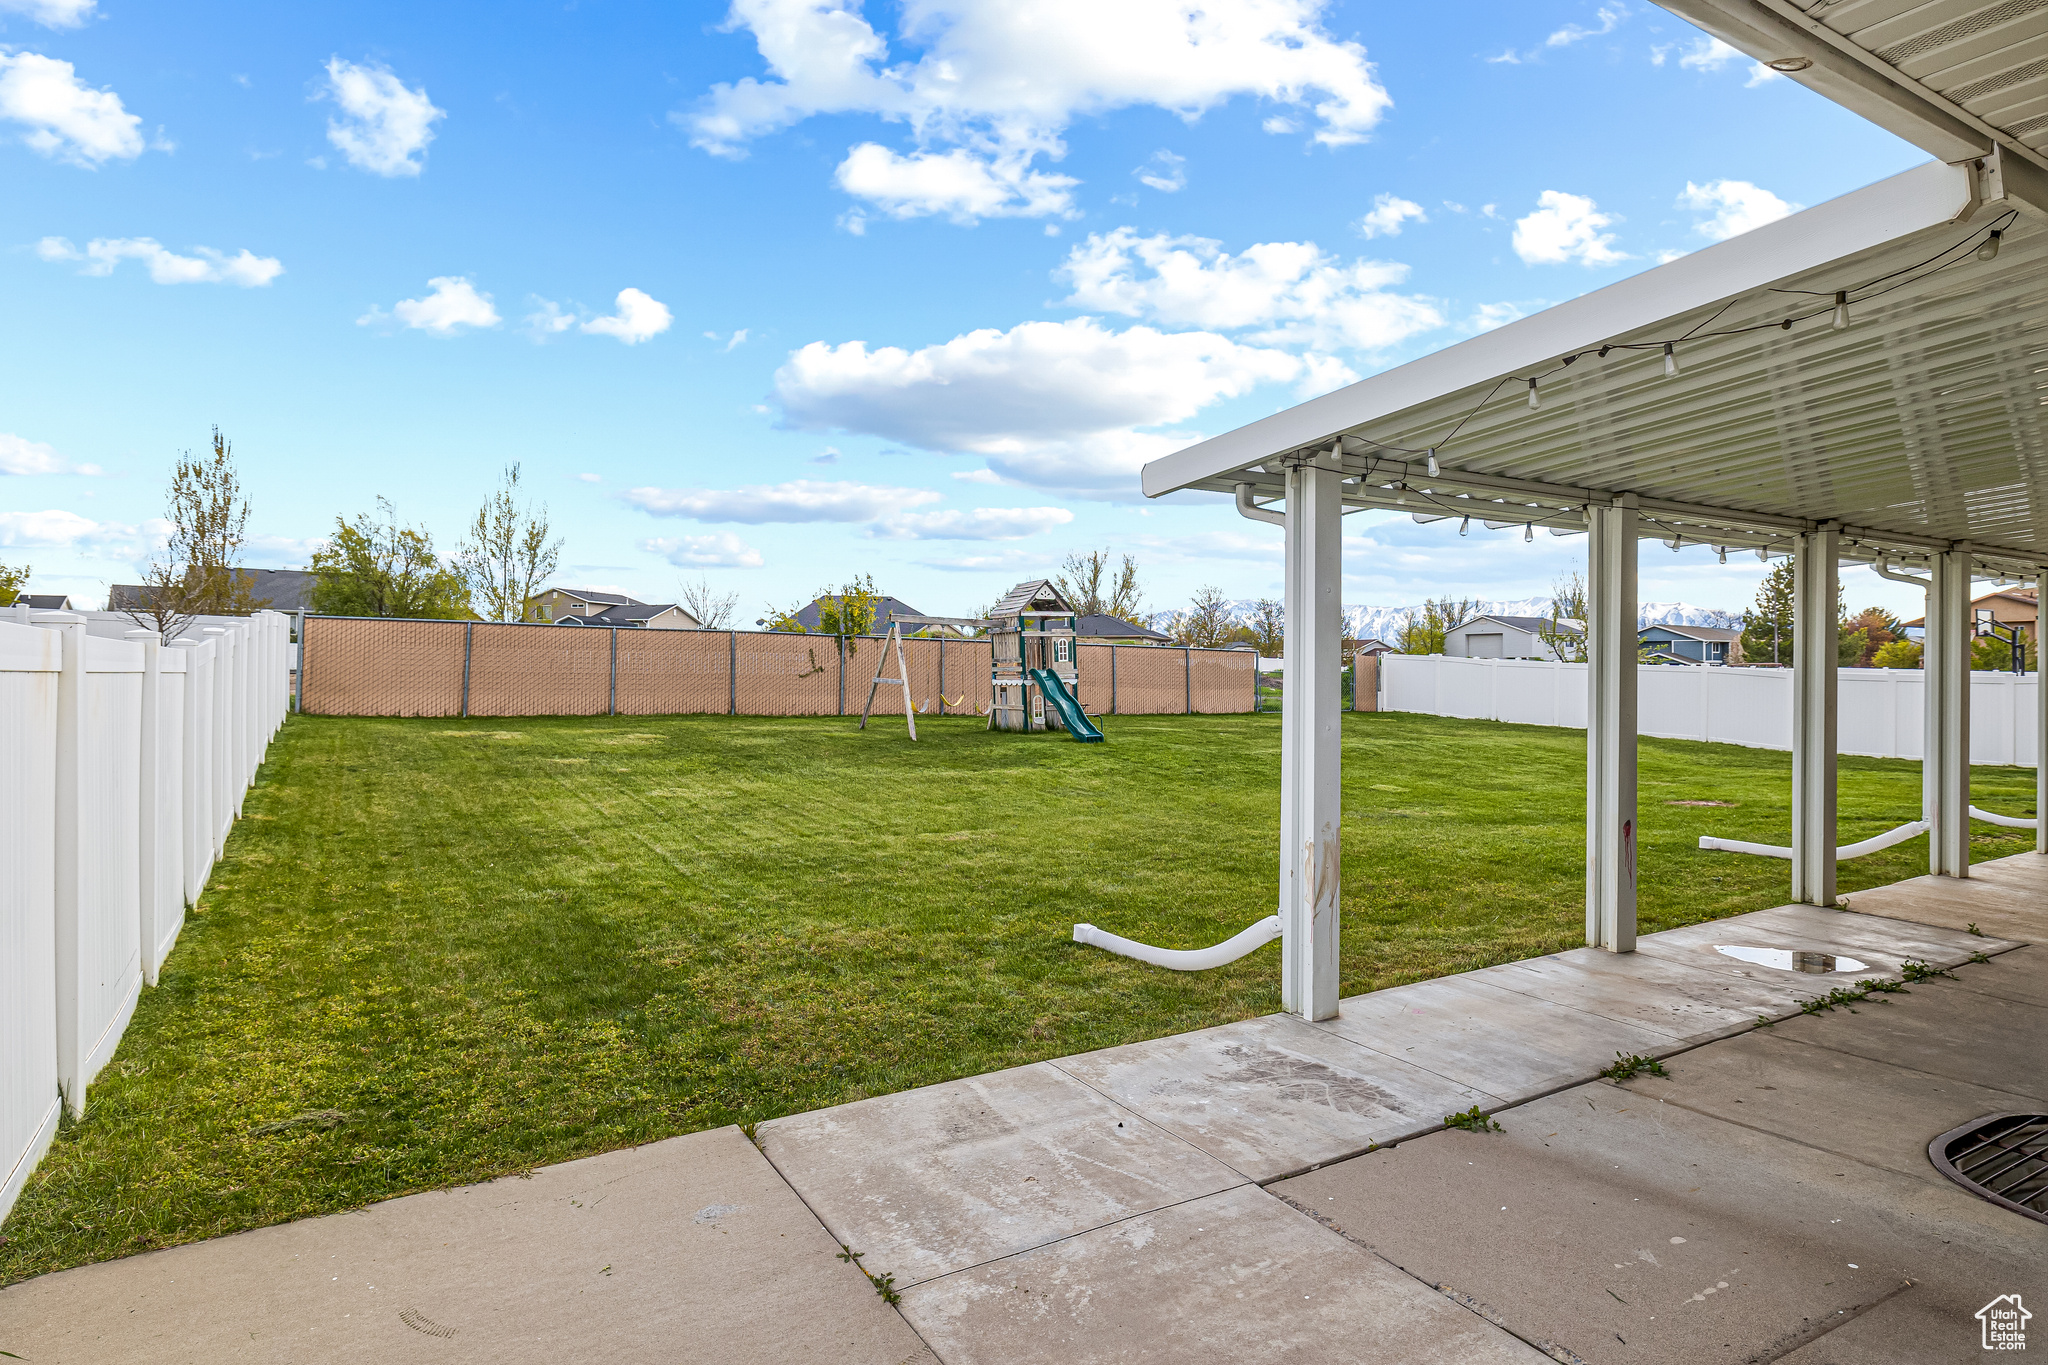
column 789, row 291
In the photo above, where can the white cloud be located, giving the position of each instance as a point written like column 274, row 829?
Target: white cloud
column 51, row 13
column 1737, row 207
column 982, row 523
column 738, row 338
column 1566, row 227
column 1387, row 214
column 1293, row 291
column 1164, row 172
column 67, row 120
column 959, row 184
column 1759, row 74
column 720, row 550
column 57, row 527
column 799, row 500
column 453, row 305
column 384, row 127
column 1050, row 404
column 1003, row 81
column 1610, row 17
column 547, row 319
column 209, row 266
column 639, row 317
column 19, row 455
column 1708, row 54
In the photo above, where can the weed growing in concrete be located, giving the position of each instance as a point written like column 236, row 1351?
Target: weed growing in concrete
column 885, row 1285
column 1628, row 1065
column 1975, row 930
column 1916, row 970
column 1851, row 996
column 1472, row 1121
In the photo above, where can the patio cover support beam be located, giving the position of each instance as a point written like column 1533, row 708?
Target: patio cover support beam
column 1310, row 806
column 1816, row 629
column 1611, row 727
column 1945, row 765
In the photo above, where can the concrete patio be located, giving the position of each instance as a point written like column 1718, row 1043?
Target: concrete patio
column 1273, row 1190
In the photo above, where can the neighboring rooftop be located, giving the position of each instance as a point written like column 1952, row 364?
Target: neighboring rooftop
column 1116, row 628
column 285, row 590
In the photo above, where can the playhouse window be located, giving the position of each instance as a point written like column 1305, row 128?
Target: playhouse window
column 1059, row 651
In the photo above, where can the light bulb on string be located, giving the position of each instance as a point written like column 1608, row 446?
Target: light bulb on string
column 1528, row 532
column 1432, row 464
column 1763, row 552
column 1989, row 251
column 1675, row 542
column 1534, row 401
column 1841, row 310
column 1670, row 362
column 1724, row 552
column 1464, row 526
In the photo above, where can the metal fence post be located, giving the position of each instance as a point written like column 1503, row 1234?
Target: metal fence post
column 1187, row 659
column 468, row 634
column 1112, row 680
column 304, row 653
column 615, row 671
column 842, row 675
column 732, row 673
column 942, row 675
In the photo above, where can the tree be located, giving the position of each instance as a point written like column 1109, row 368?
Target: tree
column 378, row 568
column 1424, row 634
column 713, row 610
column 1767, row 634
column 507, row 555
column 197, row 572
column 1900, row 653
column 12, row 581
column 1095, row 589
column 1206, row 624
column 1267, row 629
column 1878, row 628
column 1567, row 607
column 844, row 612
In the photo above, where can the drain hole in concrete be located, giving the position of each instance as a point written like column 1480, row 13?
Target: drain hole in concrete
column 2001, row 1157
column 1792, row 960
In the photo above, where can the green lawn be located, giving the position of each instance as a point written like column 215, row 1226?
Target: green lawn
column 476, row 947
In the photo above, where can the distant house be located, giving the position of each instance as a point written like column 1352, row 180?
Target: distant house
column 286, row 590
column 2006, row 607
column 1370, row 648
column 43, row 601
column 1506, row 637
column 637, row 615
column 1114, row 631
column 884, row 608
column 1671, row 642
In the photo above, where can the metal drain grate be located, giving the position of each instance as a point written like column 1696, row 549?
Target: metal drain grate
column 2003, row 1157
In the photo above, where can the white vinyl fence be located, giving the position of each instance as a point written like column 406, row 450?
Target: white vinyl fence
column 122, row 766
column 1878, row 716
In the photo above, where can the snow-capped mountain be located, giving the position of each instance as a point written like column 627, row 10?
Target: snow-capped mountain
column 1385, row 622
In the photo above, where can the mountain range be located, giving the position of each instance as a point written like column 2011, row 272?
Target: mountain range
column 1385, row 622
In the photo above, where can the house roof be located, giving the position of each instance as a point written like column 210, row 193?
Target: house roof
column 1116, row 627
column 588, row 595
column 1037, row 595
column 885, row 607
column 2022, row 596
column 277, row 589
column 634, row 614
column 1694, row 632
column 1535, row 625
column 44, row 601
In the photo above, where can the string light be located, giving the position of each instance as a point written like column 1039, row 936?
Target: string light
column 1670, row 362
column 1432, row 464
column 1724, row 552
column 1841, row 310
column 1464, row 526
column 1763, row 553
column 1534, row 401
column 1675, row 542
column 1989, row 251
column 1528, row 532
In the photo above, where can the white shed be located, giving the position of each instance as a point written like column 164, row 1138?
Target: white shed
column 1505, row 637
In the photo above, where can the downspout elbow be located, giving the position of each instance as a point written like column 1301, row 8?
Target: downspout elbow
column 1251, row 510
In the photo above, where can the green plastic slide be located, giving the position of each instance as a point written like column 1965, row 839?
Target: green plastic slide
column 1071, row 715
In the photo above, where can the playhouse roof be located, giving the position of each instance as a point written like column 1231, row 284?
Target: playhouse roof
column 1037, row 595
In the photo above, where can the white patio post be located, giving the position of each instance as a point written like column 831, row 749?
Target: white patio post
column 1816, row 593
column 1611, row 634
column 149, row 855
column 1945, row 769
column 1310, row 799
column 70, row 835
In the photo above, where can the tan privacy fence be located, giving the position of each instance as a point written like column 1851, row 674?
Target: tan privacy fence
column 357, row 666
